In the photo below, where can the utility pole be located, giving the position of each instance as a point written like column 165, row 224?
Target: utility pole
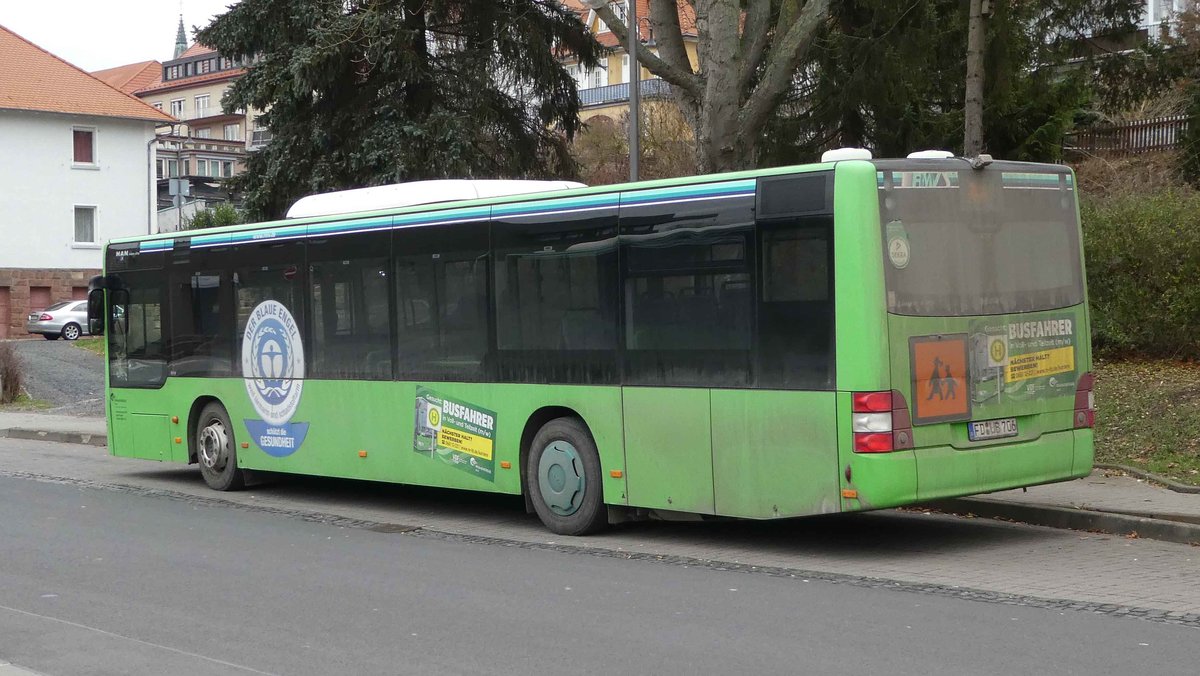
column 635, row 94
column 973, row 105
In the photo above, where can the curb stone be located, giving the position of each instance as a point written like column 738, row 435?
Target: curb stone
column 1148, row 476
column 1075, row 519
column 60, row 437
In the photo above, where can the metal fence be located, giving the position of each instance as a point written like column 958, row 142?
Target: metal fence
column 1142, row 136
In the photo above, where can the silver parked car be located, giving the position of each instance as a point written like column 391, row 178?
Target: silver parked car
column 67, row 318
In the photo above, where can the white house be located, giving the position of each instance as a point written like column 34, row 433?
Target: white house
column 77, row 167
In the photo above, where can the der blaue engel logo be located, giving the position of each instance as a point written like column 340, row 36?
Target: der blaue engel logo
column 273, row 369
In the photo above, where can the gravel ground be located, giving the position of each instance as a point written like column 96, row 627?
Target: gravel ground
column 71, row 379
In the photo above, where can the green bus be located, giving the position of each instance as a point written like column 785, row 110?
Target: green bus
column 848, row 335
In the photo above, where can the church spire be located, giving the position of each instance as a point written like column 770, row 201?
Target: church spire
column 180, row 39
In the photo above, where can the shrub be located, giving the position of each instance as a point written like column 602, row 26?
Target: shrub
column 1143, row 265
column 215, row 217
column 10, row 375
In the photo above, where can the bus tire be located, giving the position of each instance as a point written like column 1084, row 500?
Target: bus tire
column 562, row 475
column 216, row 450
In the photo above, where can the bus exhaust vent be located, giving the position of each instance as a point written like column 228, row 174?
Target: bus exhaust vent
column 417, row 192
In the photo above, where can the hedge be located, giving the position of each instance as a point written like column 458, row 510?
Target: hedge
column 1143, row 271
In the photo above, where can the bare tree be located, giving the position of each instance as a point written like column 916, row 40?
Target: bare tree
column 747, row 53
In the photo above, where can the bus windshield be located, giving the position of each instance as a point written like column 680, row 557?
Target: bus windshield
column 970, row 242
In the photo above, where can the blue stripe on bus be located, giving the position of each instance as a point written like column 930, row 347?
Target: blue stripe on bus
column 745, row 187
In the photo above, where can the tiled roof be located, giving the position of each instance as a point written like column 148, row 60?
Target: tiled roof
column 196, row 50
column 687, row 20
column 33, row 79
column 131, row 77
column 168, row 85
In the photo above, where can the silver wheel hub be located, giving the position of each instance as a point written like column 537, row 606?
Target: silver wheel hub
column 214, row 446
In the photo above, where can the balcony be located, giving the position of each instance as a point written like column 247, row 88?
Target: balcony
column 209, row 111
column 619, row 93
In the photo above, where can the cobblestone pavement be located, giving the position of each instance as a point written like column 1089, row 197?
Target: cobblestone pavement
column 910, row 550
column 70, row 378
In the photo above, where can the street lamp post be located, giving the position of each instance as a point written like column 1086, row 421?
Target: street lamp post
column 635, row 91
column 635, row 94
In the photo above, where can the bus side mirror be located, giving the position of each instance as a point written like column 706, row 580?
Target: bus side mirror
column 95, row 312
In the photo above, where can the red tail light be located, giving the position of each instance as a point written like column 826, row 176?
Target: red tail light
column 45, row 317
column 881, row 422
column 1085, row 402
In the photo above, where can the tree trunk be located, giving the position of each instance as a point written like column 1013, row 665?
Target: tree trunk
column 973, row 107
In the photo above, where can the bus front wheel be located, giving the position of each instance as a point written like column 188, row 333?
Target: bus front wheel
column 216, row 451
column 562, row 474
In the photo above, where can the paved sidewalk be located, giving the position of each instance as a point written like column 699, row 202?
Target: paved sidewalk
column 48, row 427
column 1106, row 501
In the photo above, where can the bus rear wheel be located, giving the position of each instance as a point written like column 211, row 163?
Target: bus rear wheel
column 216, row 451
column 562, row 475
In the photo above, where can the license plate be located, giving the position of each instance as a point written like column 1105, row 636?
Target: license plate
column 992, row 429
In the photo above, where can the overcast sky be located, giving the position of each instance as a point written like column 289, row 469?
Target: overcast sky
column 97, row 34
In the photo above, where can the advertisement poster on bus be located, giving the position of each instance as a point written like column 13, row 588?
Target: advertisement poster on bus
column 1024, row 360
column 455, row 432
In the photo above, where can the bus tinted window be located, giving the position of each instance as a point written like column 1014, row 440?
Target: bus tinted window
column 556, row 297
column 351, row 326
column 968, row 242
column 201, row 330
column 267, row 272
column 136, row 351
column 795, row 311
column 441, row 302
column 689, row 293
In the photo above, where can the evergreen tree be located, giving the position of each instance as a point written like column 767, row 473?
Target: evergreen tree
column 369, row 92
column 890, row 76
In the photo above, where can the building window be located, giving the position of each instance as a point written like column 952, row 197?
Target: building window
column 173, row 168
column 191, row 69
column 85, row 225
column 625, row 68
column 226, row 169
column 202, row 167
column 204, row 133
column 202, row 106
column 84, row 145
column 226, row 63
column 177, row 107
column 233, row 132
column 158, row 105
column 187, row 168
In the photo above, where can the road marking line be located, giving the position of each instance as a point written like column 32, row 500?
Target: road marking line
column 136, row 640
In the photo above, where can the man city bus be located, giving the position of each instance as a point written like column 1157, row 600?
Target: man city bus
column 848, row 335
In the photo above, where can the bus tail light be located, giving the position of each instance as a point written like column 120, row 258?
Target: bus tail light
column 881, row 422
column 1085, row 402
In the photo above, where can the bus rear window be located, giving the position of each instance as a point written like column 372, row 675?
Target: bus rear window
column 979, row 242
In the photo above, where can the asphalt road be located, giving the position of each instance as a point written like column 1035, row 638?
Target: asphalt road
column 96, row 581
column 71, row 379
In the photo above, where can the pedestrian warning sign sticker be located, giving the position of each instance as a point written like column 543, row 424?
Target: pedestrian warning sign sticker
column 939, row 375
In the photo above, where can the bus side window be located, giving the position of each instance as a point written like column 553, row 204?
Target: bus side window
column 557, row 296
column 688, row 278
column 442, row 303
column 795, row 315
